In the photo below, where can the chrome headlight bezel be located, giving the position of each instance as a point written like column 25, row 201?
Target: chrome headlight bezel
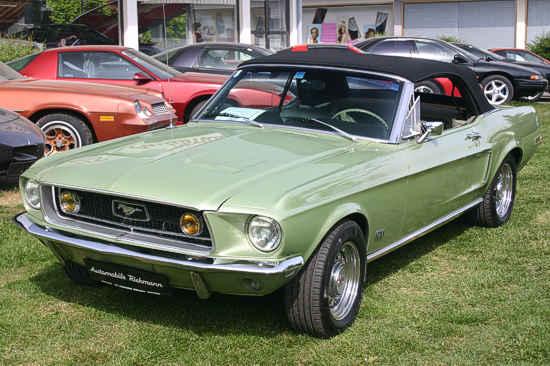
column 273, row 240
column 31, row 193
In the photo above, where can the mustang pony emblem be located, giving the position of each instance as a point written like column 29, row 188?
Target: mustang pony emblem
column 130, row 211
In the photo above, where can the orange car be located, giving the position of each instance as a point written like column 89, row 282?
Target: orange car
column 74, row 114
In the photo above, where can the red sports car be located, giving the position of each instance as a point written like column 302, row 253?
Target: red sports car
column 122, row 66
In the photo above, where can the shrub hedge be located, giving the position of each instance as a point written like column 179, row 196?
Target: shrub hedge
column 541, row 45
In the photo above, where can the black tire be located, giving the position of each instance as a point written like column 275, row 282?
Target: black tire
column 428, row 87
column 79, row 274
column 193, row 109
column 499, row 79
column 306, row 300
column 73, row 127
column 487, row 214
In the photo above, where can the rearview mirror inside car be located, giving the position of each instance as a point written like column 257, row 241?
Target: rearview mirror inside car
column 429, row 129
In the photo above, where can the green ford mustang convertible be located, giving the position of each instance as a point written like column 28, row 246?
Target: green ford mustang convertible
column 328, row 161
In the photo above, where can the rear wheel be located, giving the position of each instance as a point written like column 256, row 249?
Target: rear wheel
column 498, row 201
column 428, row 87
column 64, row 132
column 324, row 298
column 497, row 89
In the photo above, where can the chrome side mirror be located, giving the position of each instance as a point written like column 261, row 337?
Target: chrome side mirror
column 429, row 129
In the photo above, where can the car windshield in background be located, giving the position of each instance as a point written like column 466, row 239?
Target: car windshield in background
column 161, row 70
column 341, row 102
column 7, row 73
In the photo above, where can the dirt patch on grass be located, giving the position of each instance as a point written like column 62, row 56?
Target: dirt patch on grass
column 10, row 198
column 543, row 218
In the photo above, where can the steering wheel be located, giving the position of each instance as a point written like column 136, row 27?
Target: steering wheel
column 343, row 115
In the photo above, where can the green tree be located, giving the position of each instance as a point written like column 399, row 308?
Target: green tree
column 65, row 11
column 541, row 45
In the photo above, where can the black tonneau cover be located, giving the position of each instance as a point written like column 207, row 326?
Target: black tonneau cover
column 412, row 69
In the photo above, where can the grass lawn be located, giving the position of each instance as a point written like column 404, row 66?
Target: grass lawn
column 462, row 295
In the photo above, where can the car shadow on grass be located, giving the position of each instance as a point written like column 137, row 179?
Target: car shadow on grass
column 221, row 314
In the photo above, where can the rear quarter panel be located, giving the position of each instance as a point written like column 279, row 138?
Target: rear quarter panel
column 506, row 129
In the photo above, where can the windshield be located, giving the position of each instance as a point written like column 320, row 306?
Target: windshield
column 341, row 102
column 7, row 73
column 161, row 70
column 479, row 53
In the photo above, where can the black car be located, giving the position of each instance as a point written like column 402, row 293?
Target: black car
column 535, row 63
column 218, row 58
column 501, row 81
column 21, row 144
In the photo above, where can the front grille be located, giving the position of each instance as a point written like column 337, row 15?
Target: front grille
column 154, row 218
column 159, row 108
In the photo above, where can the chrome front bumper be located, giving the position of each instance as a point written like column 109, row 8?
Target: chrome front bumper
column 204, row 275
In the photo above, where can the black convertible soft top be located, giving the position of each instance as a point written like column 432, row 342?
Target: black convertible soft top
column 412, row 69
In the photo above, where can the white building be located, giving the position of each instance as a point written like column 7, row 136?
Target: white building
column 277, row 24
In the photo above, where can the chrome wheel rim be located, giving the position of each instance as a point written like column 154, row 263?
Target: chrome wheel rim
column 60, row 136
column 496, row 92
column 424, row 89
column 504, row 189
column 344, row 281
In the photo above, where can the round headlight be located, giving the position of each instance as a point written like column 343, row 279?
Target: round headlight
column 69, row 202
column 190, row 224
column 264, row 233
column 32, row 194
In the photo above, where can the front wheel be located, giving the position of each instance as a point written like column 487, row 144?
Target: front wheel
column 324, row 298
column 498, row 201
column 64, row 132
column 497, row 89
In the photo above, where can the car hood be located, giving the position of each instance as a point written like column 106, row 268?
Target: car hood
column 7, row 116
column 74, row 87
column 201, row 165
column 503, row 65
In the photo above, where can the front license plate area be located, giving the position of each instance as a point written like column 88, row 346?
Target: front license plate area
column 128, row 278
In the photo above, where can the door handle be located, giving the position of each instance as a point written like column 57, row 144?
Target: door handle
column 474, row 136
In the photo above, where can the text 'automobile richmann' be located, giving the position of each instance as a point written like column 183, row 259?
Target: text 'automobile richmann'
column 341, row 165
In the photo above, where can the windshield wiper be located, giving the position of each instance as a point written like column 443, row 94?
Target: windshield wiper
column 340, row 132
column 240, row 119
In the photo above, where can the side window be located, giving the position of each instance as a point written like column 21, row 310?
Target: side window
column 514, row 56
column 95, row 65
column 186, row 57
column 433, row 51
column 394, row 48
column 223, row 59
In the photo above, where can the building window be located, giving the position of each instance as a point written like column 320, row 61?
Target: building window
column 168, row 24
column 345, row 24
column 54, row 23
column 273, row 33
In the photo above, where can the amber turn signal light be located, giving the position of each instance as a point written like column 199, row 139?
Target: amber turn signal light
column 69, row 202
column 190, row 224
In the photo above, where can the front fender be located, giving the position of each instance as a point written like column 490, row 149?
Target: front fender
column 314, row 225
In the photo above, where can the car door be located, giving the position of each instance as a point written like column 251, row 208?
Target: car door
column 97, row 67
column 445, row 174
